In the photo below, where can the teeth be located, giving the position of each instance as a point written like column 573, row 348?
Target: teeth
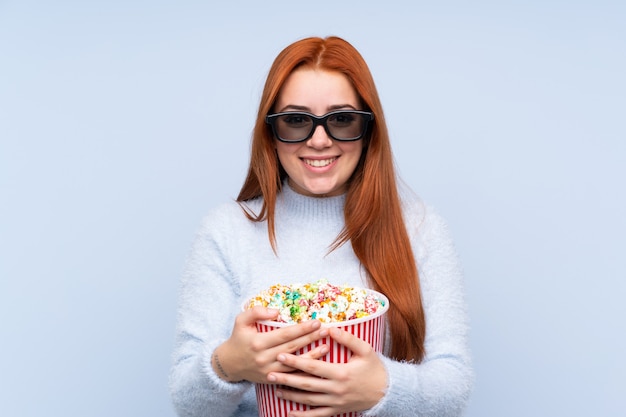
column 319, row 162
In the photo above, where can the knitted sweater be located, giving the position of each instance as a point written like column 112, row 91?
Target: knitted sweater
column 232, row 260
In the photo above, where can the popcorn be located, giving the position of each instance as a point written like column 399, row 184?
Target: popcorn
column 318, row 301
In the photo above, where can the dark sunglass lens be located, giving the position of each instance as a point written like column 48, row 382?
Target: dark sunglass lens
column 346, row 125
column 293, row 127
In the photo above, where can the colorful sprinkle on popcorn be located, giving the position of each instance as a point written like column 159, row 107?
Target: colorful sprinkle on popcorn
column 320, row 300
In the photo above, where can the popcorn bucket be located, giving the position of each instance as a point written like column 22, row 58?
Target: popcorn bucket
column 370, row 329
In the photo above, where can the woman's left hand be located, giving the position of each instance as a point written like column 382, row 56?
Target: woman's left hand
column 334, row 388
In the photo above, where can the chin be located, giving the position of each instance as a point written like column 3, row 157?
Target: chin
column 324, row 191
column 317, row 190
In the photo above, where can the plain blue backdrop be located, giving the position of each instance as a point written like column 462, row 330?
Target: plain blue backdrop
column 123, row 122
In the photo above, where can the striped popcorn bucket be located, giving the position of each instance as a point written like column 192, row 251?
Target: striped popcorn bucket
column 370, row 329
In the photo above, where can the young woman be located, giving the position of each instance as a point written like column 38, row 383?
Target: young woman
column 321, row 201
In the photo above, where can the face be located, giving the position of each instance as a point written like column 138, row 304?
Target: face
column 319, row 166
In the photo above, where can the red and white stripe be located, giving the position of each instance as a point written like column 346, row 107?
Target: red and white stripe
column 372, row 331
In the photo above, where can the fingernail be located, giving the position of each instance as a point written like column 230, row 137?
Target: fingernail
column 316, row 324
column 324, row 332
column 281, row 357
column 271, row 377
column 279, row 394
column 335, row 332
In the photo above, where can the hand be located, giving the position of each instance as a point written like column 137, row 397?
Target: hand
column 249, row 355
column 334, row 388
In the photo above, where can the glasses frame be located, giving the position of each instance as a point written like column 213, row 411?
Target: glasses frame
column 270, row 119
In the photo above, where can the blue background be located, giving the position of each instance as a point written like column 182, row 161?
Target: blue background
column 123, row 122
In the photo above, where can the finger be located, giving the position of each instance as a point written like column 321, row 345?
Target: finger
column 317, row 353
column 288, row 333
column 315, row 412
column 299, row 380
column 358, row 346
column 250, row 316
column 293, row 338
column 314, row 354
column 287, row 339
column 315, row 399
column 307, row 365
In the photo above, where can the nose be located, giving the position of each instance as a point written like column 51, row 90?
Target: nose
column 320, row 138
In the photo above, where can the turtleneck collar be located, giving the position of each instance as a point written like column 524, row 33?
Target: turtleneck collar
column 307, row 207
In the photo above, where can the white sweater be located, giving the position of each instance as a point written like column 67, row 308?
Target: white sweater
column 232, row 260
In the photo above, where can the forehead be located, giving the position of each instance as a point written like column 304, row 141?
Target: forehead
column 315, row 89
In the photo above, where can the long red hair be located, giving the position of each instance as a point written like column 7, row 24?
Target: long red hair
column 373, row 216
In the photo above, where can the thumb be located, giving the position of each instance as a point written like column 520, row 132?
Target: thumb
column 358, row 346
column 258, row 313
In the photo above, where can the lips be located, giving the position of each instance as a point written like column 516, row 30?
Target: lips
column 319, row 163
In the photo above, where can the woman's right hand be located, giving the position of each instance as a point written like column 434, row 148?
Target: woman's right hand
column 251, row 356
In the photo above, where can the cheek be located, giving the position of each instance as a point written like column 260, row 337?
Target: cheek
column 354, row 149
column 285, row 151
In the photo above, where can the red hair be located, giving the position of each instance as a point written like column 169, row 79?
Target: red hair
column 373, row 215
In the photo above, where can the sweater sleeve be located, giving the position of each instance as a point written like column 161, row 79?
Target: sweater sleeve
column 440, row 385
column 202, row 325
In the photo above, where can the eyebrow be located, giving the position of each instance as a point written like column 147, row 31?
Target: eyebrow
column 294, row 107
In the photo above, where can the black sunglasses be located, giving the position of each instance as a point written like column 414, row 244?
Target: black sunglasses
column 342, row 125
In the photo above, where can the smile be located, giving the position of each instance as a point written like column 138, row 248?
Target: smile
column 319, row 163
